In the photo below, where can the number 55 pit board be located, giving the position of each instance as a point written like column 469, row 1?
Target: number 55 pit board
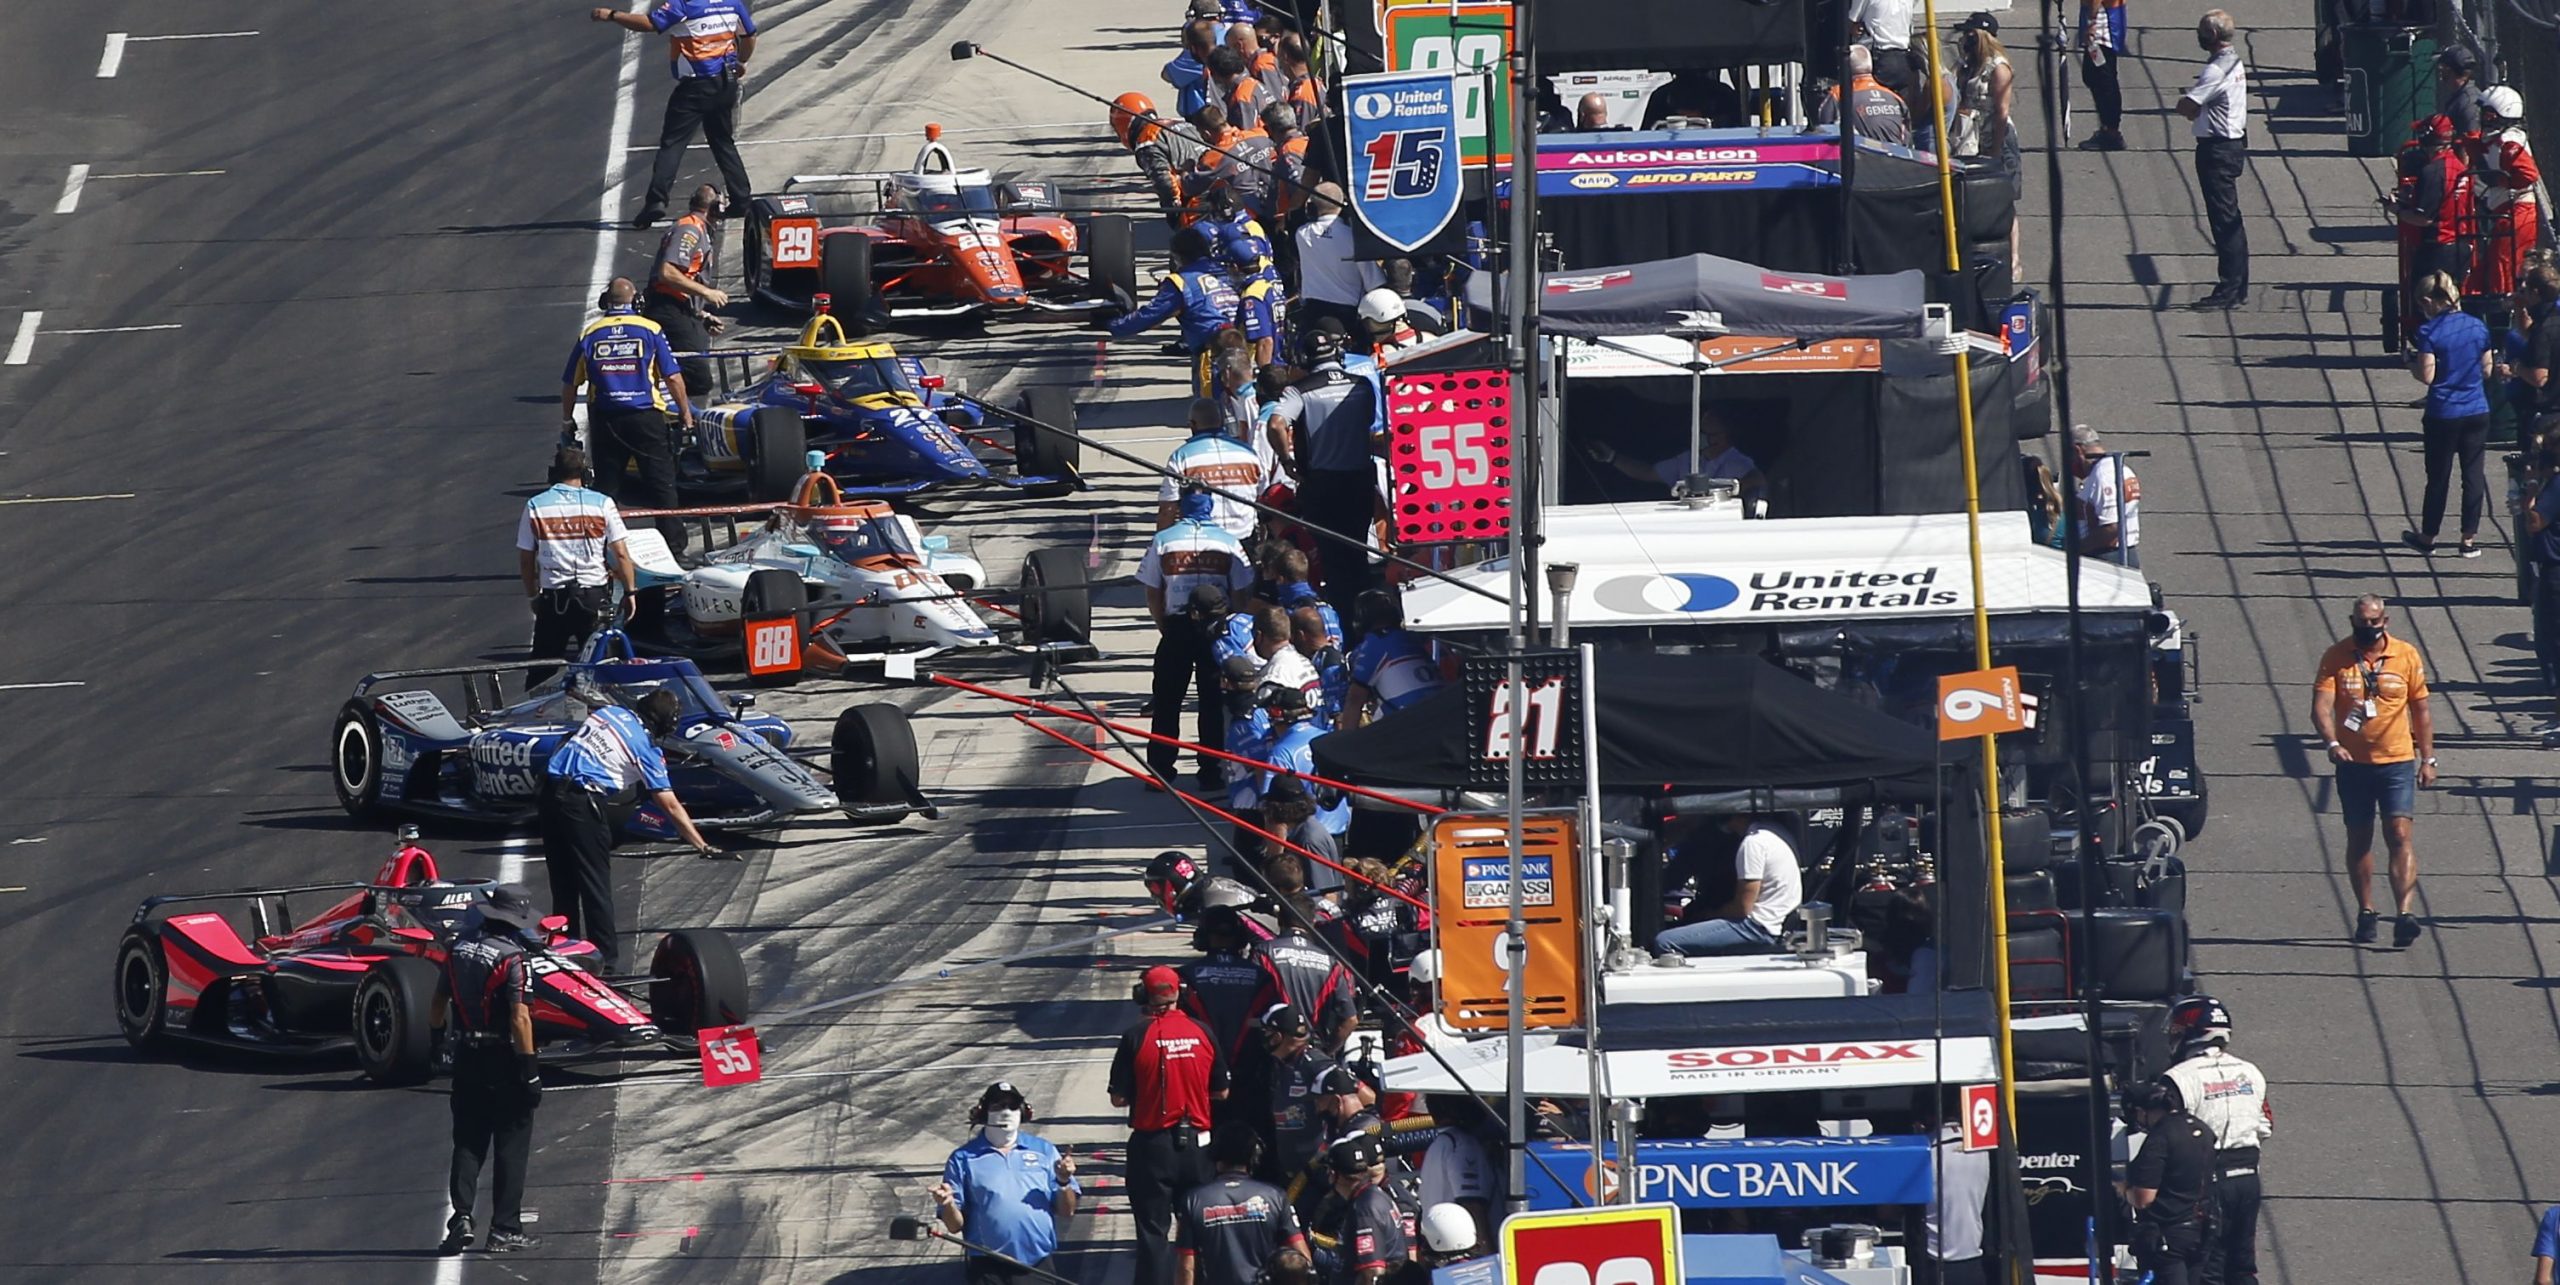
column 1449, row 453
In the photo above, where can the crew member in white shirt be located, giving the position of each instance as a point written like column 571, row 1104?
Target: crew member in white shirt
column 1330, row 280
column 569, row 546
column 1885, row 27
column 2110, row 500
column 1767, row 887
column 2218, row 103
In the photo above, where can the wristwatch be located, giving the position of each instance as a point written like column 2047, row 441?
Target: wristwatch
column 2430, row 762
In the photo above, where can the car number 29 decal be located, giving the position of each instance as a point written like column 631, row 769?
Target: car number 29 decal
column 795, row 243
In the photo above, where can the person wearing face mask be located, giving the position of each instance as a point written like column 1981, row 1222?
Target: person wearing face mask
column 1005, row 1191
column 2369, row 702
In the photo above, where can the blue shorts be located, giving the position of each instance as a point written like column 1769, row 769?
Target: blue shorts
column 2364, row 788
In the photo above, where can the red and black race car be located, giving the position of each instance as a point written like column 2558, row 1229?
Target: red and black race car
column 362, row 975
column 934, row 240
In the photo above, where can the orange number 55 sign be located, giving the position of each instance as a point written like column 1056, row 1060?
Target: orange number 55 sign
column 1980, row 703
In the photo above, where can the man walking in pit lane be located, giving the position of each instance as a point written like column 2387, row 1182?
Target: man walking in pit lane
column 1006, row 1190
column 2369, row 703
column 623, row 361
column 1167, row 1072
column 681, row 295
column 2229, row 1095
column 484, row 1013
column 591, row 783
column 1182, row 565
column 569, row 545
column 708, row 45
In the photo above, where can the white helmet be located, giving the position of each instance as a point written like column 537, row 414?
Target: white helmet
column 1448, row 1229
column 2504, row 102
column 1425, row 968
column 1381, row 306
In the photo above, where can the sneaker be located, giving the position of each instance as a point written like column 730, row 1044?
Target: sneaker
column 2470, row 550
column 2418, row 542
column 2105, row 140
column 2218, row 301
column 509, row 1242
column 457, row 1235
column 648, row 218
column 2405, row 931
column 2368, row 927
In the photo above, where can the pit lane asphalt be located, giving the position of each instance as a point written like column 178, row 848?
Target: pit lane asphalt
column 326, row 460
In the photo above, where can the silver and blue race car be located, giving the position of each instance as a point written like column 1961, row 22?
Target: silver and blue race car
column 399, row 748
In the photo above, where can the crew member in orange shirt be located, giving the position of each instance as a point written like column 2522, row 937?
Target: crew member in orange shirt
column 2369, row 703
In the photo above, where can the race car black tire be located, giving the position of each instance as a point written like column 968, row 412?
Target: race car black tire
column 705, row 982
column 394, row 1042
column 1057, row 603
column 779, row 454
column 844, row 276
column 772, row 591
column 1111, row 255
column 142, row 988
column 1043, row 454
column 873, row 759
column 355, row 758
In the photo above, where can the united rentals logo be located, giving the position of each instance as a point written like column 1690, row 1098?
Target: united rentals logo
column 1785, row 591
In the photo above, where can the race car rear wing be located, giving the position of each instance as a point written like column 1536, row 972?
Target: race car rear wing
column 370, row 681
column 150, row 904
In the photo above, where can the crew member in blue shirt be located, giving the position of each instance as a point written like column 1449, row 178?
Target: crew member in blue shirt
column 590, row 784
column 624, row 362
column 1005, row 1190
column 1199, row 294
column 1390, row 668
column 1182, row 567
column 708, row 45
column 1293, row 730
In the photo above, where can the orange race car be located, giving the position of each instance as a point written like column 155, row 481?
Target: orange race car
column 935, row 241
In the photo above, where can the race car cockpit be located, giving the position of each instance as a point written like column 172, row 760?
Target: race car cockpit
column 849, row 379
column 853, row 539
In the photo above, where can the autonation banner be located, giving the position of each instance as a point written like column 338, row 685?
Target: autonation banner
column 1740, row 1172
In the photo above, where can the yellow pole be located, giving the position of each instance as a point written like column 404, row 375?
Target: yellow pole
column 1981, row 607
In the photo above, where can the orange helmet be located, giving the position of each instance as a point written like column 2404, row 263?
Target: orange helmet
column 1133, row 118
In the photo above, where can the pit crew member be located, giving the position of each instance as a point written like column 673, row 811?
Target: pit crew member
column 1166, row 1073
column 681, row 295
column 1184, row 559
column 1165, row 150
column 1368, row 1230
column 623, row 361
column 1005, row 1189
column 1198, row 293
column 1307, row 1094
column 1229, row 468
column 2169, row 1182
column 1301, row 973
column 592, row 780
column 1335, row 429
column 488, row 1024
column 1228, row 1227
column 1331, row 278
column 708, row 45
column 1389, row 668
column 569, row 542
column 2229, row 1095
column 1294, row 728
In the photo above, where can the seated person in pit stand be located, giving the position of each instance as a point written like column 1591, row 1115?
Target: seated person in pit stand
column 1717, row 458
column 1768, row 885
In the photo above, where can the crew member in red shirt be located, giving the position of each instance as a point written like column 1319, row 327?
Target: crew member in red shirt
column 1166, row 1073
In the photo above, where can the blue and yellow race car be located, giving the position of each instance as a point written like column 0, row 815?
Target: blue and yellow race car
column 886, row 426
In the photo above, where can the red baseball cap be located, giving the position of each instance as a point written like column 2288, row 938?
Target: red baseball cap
column 1162, row 983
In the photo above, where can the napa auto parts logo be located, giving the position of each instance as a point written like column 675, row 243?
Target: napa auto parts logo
column 1825, row 590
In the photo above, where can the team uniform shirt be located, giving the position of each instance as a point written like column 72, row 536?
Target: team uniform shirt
column 2176, row 1161
column 1335, row 411
column 2457, row 340
column 2546, row 1239
column 1190, row 83
column 2222, row 91
column 2229, row 1095
column 1007, row 1198
column 1297, row 1128
column 1766, row 855
column 1729, row 464
column 1234, row 638
column 1875, row 112
column 1369, row 1233
column 688, row 245
column 1230, row 1226
column 2506, row 184
column 702, row 35
column 1231, row 471
column 486, row 978
column 625, row 362
column 567, row 529
column 1456, row 1167
column 1248, row 736
column 1396, row 667
column 1220, row 987
column 1200, row 296
column 1293, row 749
column 1327, row 270
column 1166, row 1067
column 1259, row 308
column 1242, row 161
column 609, row 754
column 1191, row 553
column 2112, row 496
column 2380, row 688
column 1298, row 593
column 1297, row 972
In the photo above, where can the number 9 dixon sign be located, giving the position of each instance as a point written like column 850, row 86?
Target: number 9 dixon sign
column 1449, row 456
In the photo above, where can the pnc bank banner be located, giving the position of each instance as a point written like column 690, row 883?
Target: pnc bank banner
column 1741, row 1173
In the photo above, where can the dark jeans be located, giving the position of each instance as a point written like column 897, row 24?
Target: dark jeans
column 710, row 104
column 618, row 440
column 2219, row 164
column 563, row 620
column 1185, row 670
column 2546, row 625
column 2467, row 438
column 577, row 852
column 489, row 1113
column 2172, row 1256
column 685, row 333
column 2231, row 1255
column 2103, row 90
column 1163, row 1166
column 1339, row 504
